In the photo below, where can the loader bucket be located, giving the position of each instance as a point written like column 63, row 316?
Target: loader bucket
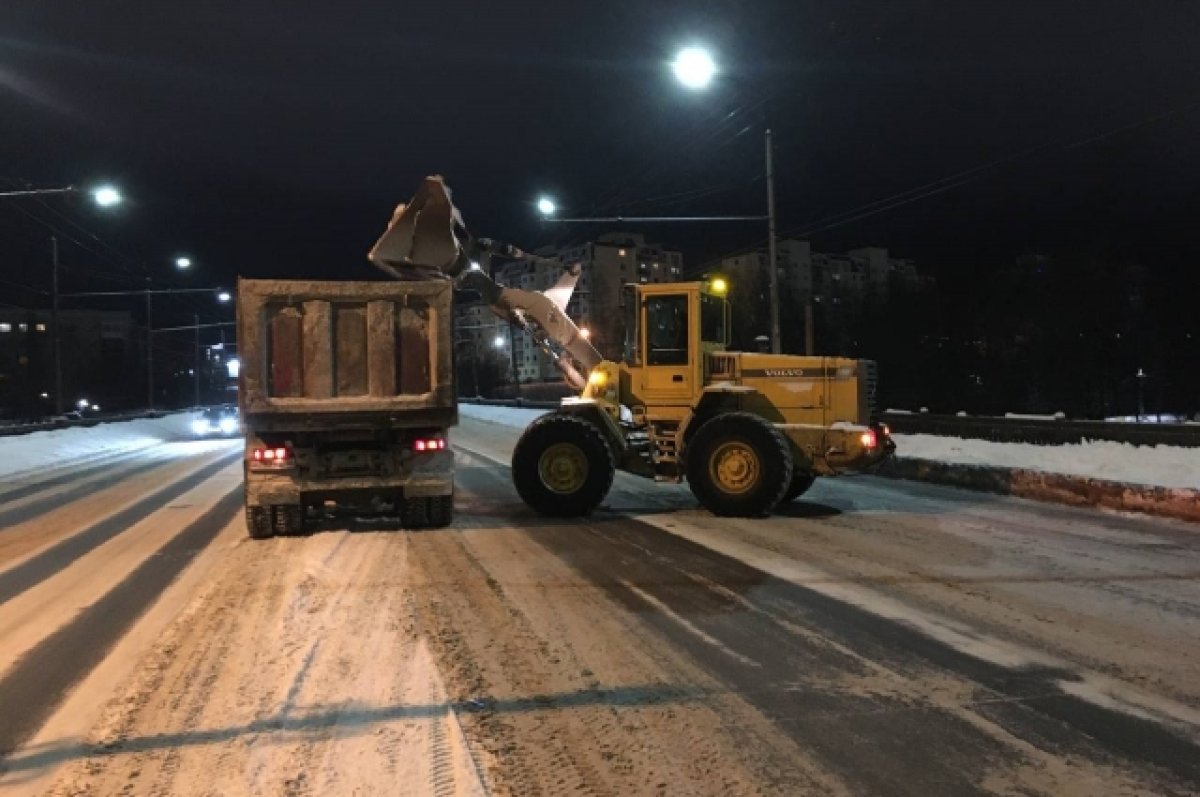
column 421, row 241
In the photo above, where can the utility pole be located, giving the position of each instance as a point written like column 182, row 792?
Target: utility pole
column 149, row 348
column 56, row 338
column 772, row 254
column 196, row 370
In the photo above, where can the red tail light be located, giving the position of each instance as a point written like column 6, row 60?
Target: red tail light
column 271, row 454
column 869, row 439
column 430, row 444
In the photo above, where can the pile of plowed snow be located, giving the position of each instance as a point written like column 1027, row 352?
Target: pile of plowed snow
column 42, row 450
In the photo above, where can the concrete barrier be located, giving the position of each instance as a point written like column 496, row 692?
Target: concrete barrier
column 1173, row 502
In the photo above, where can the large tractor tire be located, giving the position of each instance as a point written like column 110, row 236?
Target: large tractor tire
column 801, row 481
column 562, row 466
column 739, row 465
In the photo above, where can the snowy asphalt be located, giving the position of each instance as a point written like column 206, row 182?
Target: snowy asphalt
column 876, row 637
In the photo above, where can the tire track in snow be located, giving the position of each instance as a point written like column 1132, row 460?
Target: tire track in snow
column 35, row 686
column 55, row 558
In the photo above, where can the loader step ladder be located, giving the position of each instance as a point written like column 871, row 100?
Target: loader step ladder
column 663, row 451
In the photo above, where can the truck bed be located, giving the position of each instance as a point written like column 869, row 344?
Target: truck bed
column 329, row 355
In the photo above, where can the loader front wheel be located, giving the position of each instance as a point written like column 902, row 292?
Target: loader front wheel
column 738, row 465
column 562, row 466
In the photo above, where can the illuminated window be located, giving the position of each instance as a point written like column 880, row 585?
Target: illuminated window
column 5, row 327
column 23, row 327
column 620, row 253
column 40, row 327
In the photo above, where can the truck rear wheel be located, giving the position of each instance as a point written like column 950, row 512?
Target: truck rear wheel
column 421, row 513
column 258, row 523
column 287, row 519
column 801, row 481
column 562, row 466
column 739, row 465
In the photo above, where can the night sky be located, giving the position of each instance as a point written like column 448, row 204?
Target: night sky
column 276, row 142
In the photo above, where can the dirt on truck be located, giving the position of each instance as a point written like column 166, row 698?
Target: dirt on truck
column 347, row 393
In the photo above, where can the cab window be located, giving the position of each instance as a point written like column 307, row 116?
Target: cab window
column 712, row 319
column 667, row 330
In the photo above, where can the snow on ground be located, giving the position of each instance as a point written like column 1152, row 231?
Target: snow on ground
column 41, row 450
column 1164, row 466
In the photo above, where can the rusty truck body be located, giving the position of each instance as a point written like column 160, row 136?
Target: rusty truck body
column 347, row 394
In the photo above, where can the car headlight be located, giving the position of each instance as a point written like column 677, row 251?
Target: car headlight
column 199, row 426
column 229, row 425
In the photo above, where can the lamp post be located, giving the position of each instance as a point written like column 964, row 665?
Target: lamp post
column 695, row 69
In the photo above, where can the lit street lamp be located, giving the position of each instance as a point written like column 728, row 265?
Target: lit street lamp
column 106, row 196
column 694, row 67
column 498, row 342
column 183, row 263
column 224, row 296
column 546, row 206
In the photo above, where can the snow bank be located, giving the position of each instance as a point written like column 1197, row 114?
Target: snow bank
column 1162, row 466
column 41, row 450
column 516, row 417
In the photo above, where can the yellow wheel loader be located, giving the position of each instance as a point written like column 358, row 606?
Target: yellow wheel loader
column 746, row 430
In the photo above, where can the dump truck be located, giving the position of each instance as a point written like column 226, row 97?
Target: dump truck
column 346, row 392
column 746, row 430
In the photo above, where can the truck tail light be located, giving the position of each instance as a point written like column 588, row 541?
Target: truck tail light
column 280, row 454
column 869, row 439
column 429, row 444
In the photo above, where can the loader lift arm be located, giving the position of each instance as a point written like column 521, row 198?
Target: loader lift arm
column 426, row 239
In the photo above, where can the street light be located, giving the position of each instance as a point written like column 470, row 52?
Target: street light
column 106, row 196
column 498, row 342
column 694, row 67
column 183, row 263
column 224, row 296
column 546, row 206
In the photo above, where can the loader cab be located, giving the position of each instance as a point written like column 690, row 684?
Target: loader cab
column 669, row 327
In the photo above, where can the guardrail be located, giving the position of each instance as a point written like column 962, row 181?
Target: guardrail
column 1038, row 431
column 12, row 430
column 1043, row 431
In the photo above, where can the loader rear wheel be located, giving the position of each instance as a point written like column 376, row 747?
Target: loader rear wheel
column 801, row 481
column 562, row 466
column 739, row 465
column 258, row 523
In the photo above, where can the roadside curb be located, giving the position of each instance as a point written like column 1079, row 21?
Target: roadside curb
column 1174, row 502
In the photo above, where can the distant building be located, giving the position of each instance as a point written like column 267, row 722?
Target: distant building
column 608, row 262
column 831, row 281
column 99, row 348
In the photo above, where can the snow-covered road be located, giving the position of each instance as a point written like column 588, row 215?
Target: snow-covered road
column 877, row 637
